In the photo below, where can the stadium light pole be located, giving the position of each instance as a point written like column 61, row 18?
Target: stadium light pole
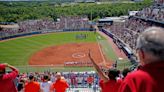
column 91, row 15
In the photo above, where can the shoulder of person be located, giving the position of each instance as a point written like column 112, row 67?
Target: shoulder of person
column 137, row 74
column 63, row 80
column 119, row 80
column 37, row 83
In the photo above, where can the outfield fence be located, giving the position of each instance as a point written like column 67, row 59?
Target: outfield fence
column 83, row 90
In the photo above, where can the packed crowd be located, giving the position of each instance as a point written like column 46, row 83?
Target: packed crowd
column 153, row 12
column 74, row 22
column 35, row 25
column 88, row 79
column 30, row 26
column 159, row 2
column 43, row 25
column 74, row 79
column 129, row 31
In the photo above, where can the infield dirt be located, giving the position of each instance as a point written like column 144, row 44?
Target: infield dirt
column 74, row 52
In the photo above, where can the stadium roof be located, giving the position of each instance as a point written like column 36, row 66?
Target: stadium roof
column 10, row 26
column 105, row 20
column 115, row 19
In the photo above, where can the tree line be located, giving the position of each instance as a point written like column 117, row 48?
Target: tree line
column 19, row 11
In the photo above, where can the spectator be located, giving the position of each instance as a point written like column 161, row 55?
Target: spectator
column 125, row 72
column 7, row 80
column 109, row 83
column 20, row 86
column 46, row 84
column 73, row 79
column 81, row 78
column 150, row 77
column 32, row 86
column 52, row 79
column 60, row 85
column 90, row 80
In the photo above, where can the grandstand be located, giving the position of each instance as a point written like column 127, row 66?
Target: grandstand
column 126, row 33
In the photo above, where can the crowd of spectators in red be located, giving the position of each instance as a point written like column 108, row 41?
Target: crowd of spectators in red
column 37, row 81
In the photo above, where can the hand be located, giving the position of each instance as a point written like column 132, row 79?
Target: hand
column 5, row 64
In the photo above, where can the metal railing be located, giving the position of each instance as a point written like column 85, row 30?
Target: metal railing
column 83, row 90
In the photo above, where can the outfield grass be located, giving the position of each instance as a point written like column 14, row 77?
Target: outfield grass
column 18, row 51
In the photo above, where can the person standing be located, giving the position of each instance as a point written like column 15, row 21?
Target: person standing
column 90, row 81
column 7, row 79
column 21, row 85
column 150, row 76
column 32, row 85
column 46, row 84
column 109, row 82
column 73, row 79
column 60, row 85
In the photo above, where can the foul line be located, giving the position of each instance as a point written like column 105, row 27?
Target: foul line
column 101, row 52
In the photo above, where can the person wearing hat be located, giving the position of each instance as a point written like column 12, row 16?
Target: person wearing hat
column 150, row 76
column 7, row 79
column 109, row 81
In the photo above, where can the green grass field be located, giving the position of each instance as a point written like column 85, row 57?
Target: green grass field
column 18, row 51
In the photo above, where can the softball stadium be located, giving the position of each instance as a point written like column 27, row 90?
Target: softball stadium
column 46, row 45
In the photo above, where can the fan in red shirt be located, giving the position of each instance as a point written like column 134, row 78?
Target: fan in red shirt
column 90, row 80
column 60, row 85
column 113, row 84
column 6, row 80
column 32, row 85
column 150, row 76
column 108, row 83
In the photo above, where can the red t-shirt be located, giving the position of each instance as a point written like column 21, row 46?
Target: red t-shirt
column 149, row 78
column 110, row 86
column 90, row 80
column 6, row 82
column 32, row 87
column 60, row 85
